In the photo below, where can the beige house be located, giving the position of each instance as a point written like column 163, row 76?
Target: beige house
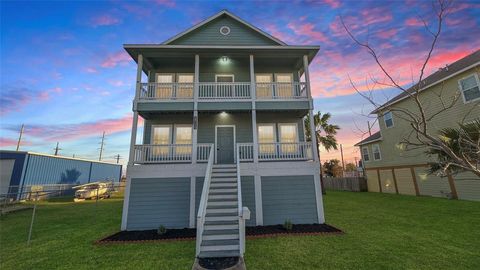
column 392, row 169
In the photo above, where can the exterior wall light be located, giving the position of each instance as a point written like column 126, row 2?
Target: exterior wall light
column 224, row 59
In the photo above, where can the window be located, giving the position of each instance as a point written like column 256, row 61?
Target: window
column 284, row 85
column 388, row 118
column 161, row 138
column 288, row 137
column 376, row 152
column 183, row 135
column 224, row 78
column 264, row 85
column 266, row 138
column 365, row 155
column 185, row 86
column 470, row 87
column 164, row 87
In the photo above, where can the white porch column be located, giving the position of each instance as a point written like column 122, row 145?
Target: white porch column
column 310, row 113
column 195, row 109
column 258, row 200
column 192, row 202
column 254, row 111
column 133, row 137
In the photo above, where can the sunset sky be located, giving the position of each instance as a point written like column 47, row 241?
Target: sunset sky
column 65, row 75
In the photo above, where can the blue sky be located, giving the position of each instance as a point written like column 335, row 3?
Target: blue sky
column 65, row 75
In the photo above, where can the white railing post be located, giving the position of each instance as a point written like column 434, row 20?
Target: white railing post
column 133, row 137
column 241, row 220
column 202, row 208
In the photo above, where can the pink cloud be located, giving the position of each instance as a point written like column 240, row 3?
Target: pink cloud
column 387, row 34
column 376, row 15
column 6, row 142
column 333, row 3
column 70, row 132
column 104, row 20
column 282, row 35
column 307, row 29
column 117, row 83
column 115, row 59
column 413, row 22
column 90, row 70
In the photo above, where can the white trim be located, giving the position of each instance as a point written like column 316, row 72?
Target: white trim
column 198, row 25
column 426, row 87
column 379, row 152
column 174, row 132
column 368, row 153
column 462, row 91
column 192, row 201
column 126, row 200
column 268, row 47
column 234, row 141
column 297, row 139
column 318, row 198
column 225, row 75
column 224, row 27
column 258, row 200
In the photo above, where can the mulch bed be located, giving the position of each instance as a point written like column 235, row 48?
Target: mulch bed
column 218, row 263
column 190, row 234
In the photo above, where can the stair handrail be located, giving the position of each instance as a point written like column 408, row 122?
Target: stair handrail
column 241, row 220
column 202, row 208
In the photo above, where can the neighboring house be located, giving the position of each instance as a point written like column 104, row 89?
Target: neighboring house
column 222, row 85
column 391, row 169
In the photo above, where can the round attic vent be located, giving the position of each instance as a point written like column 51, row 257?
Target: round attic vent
column 224, row 30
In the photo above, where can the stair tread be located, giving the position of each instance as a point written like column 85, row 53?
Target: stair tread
column 220, row 232
column 222, row 222
column 219, row 248
column 220, row 242
column 213, row 254
column 220, row 237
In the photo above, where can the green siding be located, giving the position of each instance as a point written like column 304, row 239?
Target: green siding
column 159, row 201
column 248, row 198
column 242, row 122
column 224, row 106
column 198, row 192
column 282, row 105
column 167, row 119
column 289, row 197
column 164, row 106
column 209, row 34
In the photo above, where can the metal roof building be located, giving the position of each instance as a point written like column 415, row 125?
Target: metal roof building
column 20, row 170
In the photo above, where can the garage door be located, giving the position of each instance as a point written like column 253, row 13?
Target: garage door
column 6, row 170
column 405, row 181
column 388, row 185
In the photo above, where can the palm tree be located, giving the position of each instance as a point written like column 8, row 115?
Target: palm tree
column 325, row 133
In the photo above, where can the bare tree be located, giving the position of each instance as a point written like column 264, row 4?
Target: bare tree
column 422, row 135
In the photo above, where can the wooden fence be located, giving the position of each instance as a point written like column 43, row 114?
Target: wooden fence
column 345, row 183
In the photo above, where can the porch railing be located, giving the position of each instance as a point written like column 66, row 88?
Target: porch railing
column 277, row 90
column 240, row 90
column 276, row 151
column 167, row 91
column 170, row 153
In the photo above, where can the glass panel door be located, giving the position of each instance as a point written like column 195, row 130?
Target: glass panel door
column 266, row 139
column 164, row 89
column 183, row 135
column 161, row 139
column 185, row 86
column 284, row 87
column 288, row 138
column 264, row 85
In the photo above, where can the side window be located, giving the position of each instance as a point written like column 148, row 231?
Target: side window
column 365, row 155
column 388, row 118
column 470, row 88
column 376, row 152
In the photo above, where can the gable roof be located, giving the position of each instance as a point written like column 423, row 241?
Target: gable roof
column 218, row 15
column 377, row 136
column 442, row 74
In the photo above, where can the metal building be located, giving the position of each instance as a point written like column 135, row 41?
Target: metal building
column 21, row 170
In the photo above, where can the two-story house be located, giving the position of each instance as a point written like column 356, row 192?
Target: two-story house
column 391, row 168
column 223, row 105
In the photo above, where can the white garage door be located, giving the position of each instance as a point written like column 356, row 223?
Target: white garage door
column 6, row 169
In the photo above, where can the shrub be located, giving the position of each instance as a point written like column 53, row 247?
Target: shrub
column 287, row 225
column 161, row 230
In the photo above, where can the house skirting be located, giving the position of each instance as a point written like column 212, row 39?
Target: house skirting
column 415, row 180
column 273, row 192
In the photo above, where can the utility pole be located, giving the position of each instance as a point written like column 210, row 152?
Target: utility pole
column 73, row 156
column 20, row 137
column 101, row 147
column 56, row 149
column 369, row 128
column 341, row 153
column 117, row 157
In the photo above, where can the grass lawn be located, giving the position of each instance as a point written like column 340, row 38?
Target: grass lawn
column 382, row 232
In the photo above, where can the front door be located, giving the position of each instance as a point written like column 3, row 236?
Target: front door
column 225, row 144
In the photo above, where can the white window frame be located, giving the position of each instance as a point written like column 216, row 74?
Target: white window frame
column 180, row 74
column 475, row 75
column 174, row 131
column 170, row 133
column 275, row 139
column 160, row 73
column 284, row 74
column 385, row 121
column 368, row 154
column 379, row 152
column 224, row 75
column 280, row 131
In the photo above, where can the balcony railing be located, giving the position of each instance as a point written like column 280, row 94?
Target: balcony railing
column 222, row 91
column 170, row 153
column 295, row 90
column 276, row 151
